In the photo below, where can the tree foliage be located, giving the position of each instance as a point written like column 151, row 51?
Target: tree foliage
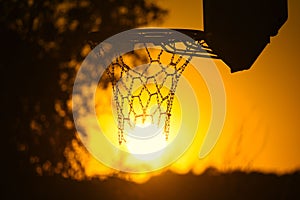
column 42, row 43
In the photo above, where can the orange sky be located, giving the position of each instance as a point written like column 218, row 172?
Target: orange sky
column 263, row 102
column 261, row 130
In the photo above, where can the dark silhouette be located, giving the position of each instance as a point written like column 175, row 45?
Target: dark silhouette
column 41, row 43
column 237, row 31
column 210, row 185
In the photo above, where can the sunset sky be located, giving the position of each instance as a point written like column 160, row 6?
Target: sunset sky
column 263, row 102
column 261, row 130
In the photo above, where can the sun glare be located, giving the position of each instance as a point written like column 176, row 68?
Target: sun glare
column 146, row 142
column 145, row 138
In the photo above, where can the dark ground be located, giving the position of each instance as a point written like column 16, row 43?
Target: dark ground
column 210, row 185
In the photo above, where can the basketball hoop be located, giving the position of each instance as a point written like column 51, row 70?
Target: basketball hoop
column 146, row 93
column 144, row 67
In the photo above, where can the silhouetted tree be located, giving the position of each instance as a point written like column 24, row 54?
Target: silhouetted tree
column 40, row 41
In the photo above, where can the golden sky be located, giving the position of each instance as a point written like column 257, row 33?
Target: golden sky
column 261, row 130
column 263, row 102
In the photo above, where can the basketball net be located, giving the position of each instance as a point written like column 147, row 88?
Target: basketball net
column 145, row 93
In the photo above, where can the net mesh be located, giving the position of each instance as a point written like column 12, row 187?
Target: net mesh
column 145, row 93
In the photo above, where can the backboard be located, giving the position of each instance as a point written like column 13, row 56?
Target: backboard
column 237, row 31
